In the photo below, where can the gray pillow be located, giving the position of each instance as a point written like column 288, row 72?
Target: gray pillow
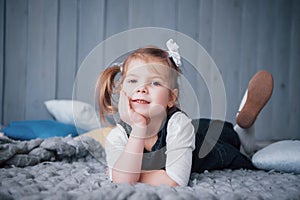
column 281, row 156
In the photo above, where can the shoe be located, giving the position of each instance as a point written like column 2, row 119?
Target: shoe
column 260, row 89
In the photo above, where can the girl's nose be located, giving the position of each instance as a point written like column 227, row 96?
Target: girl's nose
column 142, row 90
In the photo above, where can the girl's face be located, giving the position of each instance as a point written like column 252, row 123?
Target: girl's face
column 148, row 85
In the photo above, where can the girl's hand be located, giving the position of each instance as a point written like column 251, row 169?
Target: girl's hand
column 148, row 126
column 128, row 115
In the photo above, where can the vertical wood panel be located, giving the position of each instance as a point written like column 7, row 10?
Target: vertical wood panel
column 116, row 21
column 42, row 50
column 281, row 68
column 2, row 9
column 140, row 13
column 15, row 60
column 164, row 13
column 205, row 24
column 226, row 49
column 294, row 74
column 91, row 30
column 248, row 65
column 188, row 22
column 265, row 55
column 90, row 27
column 187, row 12
column 143, row 13
column 205, row 17
column 187, row 17
column 67, row 43
column 116, row 17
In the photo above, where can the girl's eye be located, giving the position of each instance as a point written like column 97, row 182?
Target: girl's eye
column 132, row 81
column 156, row 83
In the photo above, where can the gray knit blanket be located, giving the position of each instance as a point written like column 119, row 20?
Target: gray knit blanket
column 64, row 168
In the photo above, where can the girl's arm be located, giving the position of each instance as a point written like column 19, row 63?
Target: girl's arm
column 156, row 178
column 128, row 167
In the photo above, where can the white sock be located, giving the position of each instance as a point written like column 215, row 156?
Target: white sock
column 243, row 100
column 247, row 138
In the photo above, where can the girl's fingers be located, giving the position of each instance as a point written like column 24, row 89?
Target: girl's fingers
column 121, row 104
column 126, row 103
column 127, row 113
column 124, row 107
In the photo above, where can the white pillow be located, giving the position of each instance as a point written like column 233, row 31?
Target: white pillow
column 281, row 156
column 81, row 114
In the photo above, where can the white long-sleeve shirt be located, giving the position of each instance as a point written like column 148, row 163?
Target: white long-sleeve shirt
column 180, row 143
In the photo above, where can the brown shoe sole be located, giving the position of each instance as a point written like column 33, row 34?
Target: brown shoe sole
column 259, row 92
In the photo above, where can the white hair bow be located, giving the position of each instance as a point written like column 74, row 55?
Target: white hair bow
column 173, row 52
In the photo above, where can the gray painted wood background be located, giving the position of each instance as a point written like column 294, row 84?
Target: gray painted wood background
column 43, row 42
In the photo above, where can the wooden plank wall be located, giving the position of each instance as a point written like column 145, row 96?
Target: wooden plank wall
column 43, row 43
column 15, row 56
column 1, row 55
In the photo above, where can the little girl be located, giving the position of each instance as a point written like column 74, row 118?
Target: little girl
column 155, row 142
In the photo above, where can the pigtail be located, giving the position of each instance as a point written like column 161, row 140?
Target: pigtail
column 105, row 89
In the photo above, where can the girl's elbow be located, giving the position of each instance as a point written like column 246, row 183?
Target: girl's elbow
column 121, row 178
column 174, row 184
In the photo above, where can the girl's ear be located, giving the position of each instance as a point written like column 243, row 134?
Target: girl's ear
column 173, row 97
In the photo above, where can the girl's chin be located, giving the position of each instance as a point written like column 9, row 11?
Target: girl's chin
column 144, row 112
column 147, row 113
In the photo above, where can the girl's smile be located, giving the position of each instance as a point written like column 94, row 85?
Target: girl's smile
column 140, row 101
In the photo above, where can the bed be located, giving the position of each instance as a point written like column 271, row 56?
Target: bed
column 46, row 160
column 75, row 168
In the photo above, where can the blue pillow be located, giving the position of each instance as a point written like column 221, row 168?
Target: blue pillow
column 27, row 130
column 281, row 156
